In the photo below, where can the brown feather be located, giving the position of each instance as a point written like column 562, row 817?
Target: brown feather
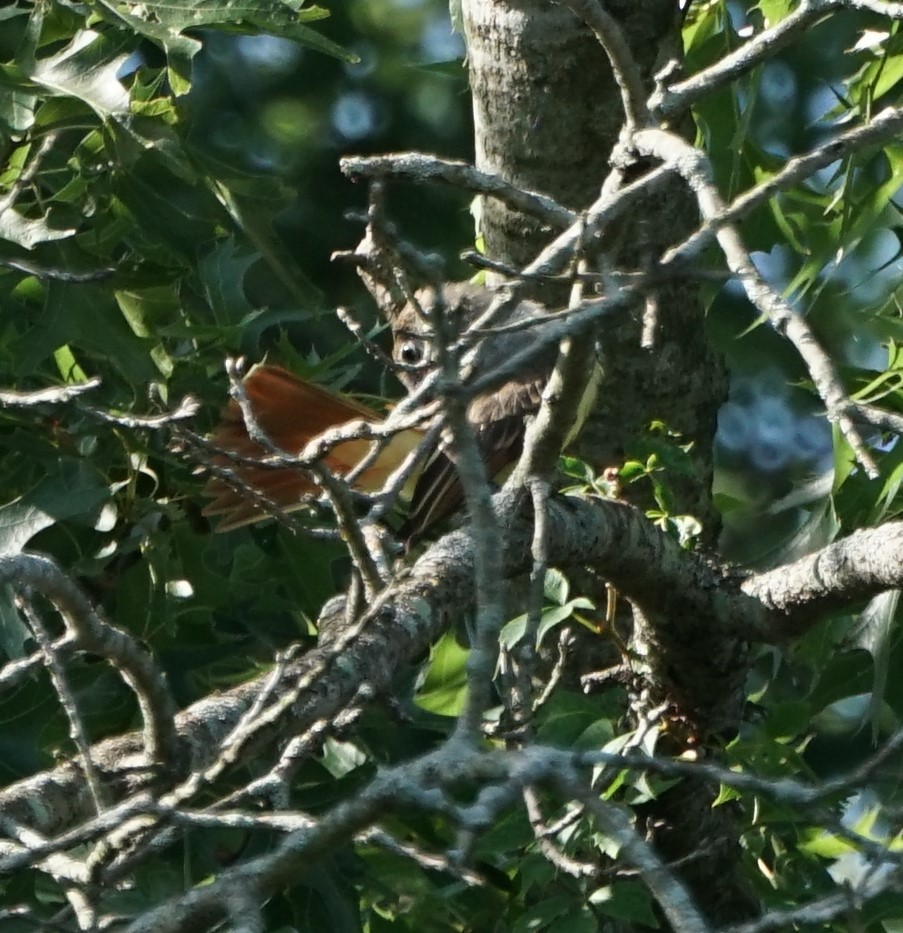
column 292, row 412
column 498, row 417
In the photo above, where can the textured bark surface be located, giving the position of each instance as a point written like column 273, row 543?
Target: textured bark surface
column 546, row 108
column 547, row 115
column 435, row 594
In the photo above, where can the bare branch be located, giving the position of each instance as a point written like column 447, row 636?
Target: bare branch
column 672, row 896
column 77, row 731
column 844, row 899
column 187, row 408
column 693, row 166
column 687, row 593
column 623, row 65
column 420, row 167
column 420, row 784
column 669, row 102
column 877, row 417
column 565, row 400
column 14, row 672
column 543, row 834
column 862, row 565
column 12, row 398
column 487, row 538
column 882, row 128
column 59, row 395
column 96, row 635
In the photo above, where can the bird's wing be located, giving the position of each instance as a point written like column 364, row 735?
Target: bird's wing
column 498, row 418
column 292, row 412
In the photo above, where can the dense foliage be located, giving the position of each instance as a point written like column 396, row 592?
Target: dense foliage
column 142, row 243
column 169, row 196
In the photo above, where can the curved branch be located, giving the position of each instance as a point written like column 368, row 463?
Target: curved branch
column 669, row 102
column 694, row 167
column 701, row 613
column 860, row 566
column 624, row 67
column 94, row 634
column 881, row 129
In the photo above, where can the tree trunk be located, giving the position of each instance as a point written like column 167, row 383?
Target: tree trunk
column 547, row 114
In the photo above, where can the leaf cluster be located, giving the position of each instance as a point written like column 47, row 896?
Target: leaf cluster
column 131, row 250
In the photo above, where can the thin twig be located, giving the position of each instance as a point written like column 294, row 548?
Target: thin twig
column 487, row 536
column 419, row 167
column 670, row 892
column 77, row 730
column 624, row 66
column 541, row 832
column 55, row 395
column 187, row 408
column 338, row 492
column 563, row 400
column 694, row 167
column 16, row 671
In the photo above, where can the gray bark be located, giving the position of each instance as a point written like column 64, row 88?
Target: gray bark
column 547, row 115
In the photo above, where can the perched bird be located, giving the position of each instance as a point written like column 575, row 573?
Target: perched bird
column 499, row 415
column 292, row 412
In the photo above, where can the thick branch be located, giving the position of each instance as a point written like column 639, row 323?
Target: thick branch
column 700, row 610
column 860, row 566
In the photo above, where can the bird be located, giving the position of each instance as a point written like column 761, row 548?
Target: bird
column 498, row 416
column 292, row 412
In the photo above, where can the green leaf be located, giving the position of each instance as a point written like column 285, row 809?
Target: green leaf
column 775, row 10
column 566, row 717
column 598, row 734
column 341, row 758
column 171, row 213
column 512, row 632
column 245, row 210
column 87, row 70
column 74, row 490
column 222, row 273
column 827, row 845
column 788, row 719
column 540, row 915
column 555, row 586
column 626, row 900
column 284, row 18
column 631, row 470
column 14, row 633
column 79, row 316
column 819, row 526
column 582, row 921
column 874, row 632
column 726, row 794
column 68, row 365
column 443, row 687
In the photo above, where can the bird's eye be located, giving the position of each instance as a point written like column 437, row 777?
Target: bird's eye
column 410, row 353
